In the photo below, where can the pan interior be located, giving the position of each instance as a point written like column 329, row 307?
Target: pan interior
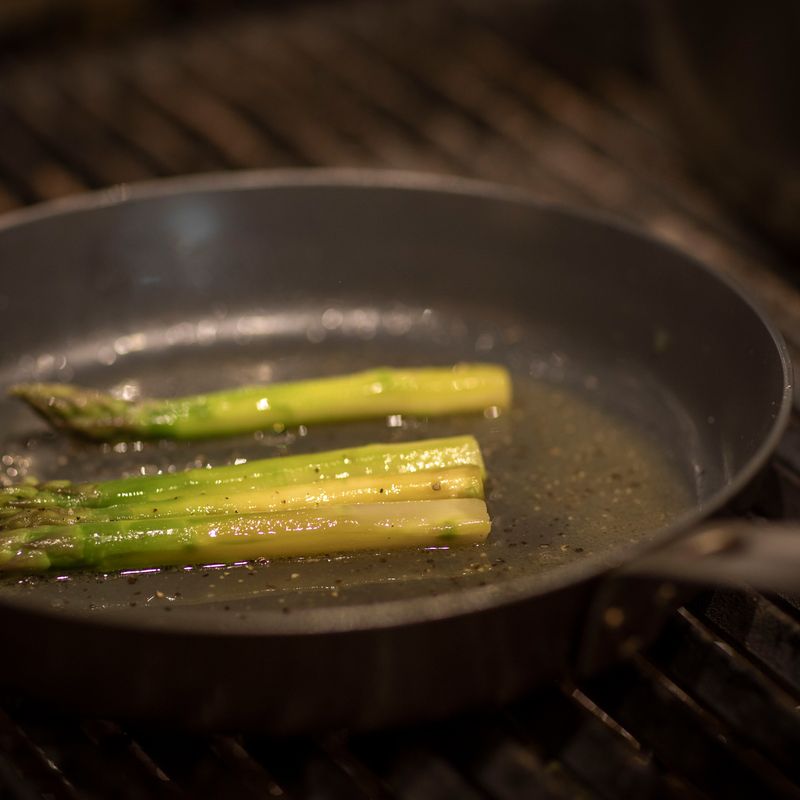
column 591, row 456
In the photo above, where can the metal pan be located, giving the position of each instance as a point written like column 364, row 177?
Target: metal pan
column 649, row 393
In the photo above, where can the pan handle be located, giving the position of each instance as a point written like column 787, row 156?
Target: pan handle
column 632, row 603
column 729, row 552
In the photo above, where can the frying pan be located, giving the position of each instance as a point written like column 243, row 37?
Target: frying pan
column 649, row 394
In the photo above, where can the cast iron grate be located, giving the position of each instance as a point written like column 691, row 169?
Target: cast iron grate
column 711, row 709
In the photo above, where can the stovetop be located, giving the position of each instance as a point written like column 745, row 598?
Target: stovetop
column 463, row 87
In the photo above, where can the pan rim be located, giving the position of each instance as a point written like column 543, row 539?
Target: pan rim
column 418, row 610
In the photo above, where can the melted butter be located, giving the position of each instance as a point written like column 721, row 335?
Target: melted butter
column 568, row 477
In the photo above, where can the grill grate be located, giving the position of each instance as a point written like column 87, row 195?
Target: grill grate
column 711, row 709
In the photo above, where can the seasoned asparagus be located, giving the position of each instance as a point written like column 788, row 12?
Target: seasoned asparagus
column 429, row 391
column 262, row 474
column 138, row 544
column 254, row 499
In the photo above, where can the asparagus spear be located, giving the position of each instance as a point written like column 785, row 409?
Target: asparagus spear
column 366, row 460
column 189, row 540
column 429, row 391
column 249, row 499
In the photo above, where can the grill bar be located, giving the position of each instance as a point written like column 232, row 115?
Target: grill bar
column 461, row 86
column 730, row 689
column 412, row 766
column 600, row 753
column 26, row 169
column 505, row 766
column 43, row 776
column 204, row 767
column 195, row 106
column 766, row 633
column 689, row 742
column 164, row 146
column 94, row 153
column 307, row 769
column 291, row 121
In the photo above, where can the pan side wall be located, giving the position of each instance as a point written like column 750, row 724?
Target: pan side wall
column 361, row 679
column 632, row 307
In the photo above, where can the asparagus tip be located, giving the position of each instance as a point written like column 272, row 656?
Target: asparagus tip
column 83, row 411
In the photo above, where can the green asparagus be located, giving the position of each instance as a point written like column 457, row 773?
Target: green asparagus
column 429, row 391
column 253, row 499
column 139, row 544
column 261, row 474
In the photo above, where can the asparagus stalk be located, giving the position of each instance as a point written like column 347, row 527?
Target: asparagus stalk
column 249, row 499
column 368, row 460
column 137, row 544
column 429, row 391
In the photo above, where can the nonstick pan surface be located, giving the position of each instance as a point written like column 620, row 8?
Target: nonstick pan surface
column 648, row 393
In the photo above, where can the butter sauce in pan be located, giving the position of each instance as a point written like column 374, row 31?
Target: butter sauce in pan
column 567, row 476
